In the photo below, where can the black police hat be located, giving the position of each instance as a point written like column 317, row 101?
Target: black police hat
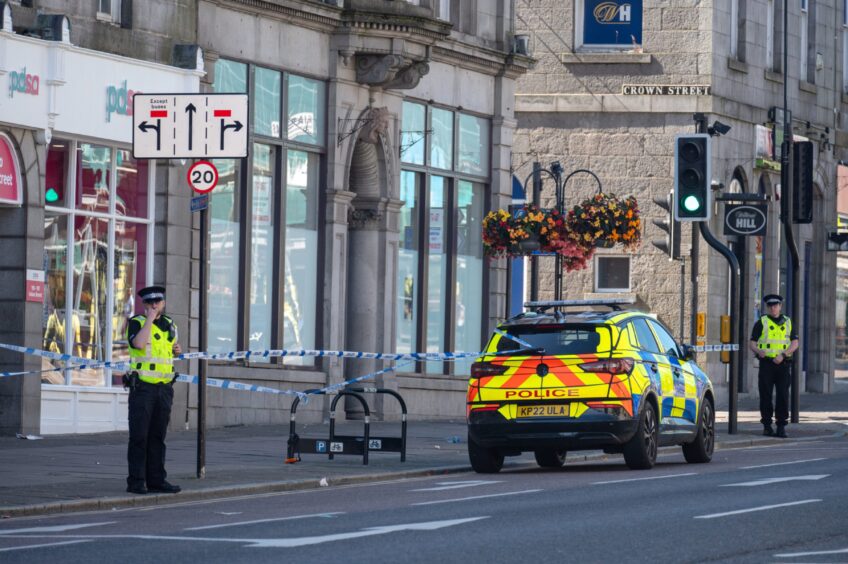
column 771, row 299
column 152, row 293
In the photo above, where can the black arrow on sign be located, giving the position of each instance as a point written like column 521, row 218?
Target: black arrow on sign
column 236, row 126
column 144, row 126
column 190, row 109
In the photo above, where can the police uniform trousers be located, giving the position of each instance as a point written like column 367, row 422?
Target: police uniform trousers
column 149, row 414
column 774, row 381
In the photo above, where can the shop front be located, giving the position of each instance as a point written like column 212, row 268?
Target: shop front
column 96, row 205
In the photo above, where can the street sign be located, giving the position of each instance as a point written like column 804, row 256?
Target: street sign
column 199, row 203
column 187, row 126
column 745, row 219
column 202, row 177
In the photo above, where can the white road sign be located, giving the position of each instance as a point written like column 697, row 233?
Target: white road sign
column 188, row 126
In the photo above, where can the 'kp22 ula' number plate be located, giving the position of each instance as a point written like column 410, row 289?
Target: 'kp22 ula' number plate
column 542, row 411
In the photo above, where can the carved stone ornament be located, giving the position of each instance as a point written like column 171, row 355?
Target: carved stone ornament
column 358, row 219
column 389, row 71
column 376, row 124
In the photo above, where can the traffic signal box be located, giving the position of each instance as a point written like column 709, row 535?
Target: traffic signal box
column 692, row 178
column 671, row 244
column 802, row 182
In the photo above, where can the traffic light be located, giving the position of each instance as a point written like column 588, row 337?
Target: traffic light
column 692, row 178
column 802, row 182
column 671, row 244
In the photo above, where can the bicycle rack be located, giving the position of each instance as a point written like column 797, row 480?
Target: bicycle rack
column 347, row 444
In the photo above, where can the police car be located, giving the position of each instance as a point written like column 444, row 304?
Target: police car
column 553, row 380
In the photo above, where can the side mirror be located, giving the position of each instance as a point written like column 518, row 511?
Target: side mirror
column 688, row 351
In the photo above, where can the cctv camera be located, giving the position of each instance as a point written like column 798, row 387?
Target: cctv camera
column 718, row 128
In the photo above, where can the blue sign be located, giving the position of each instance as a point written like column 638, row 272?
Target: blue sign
column 200, row 202
column 612, row 22
column 320, row 446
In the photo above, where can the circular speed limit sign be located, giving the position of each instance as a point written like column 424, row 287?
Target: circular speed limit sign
column 202, row 177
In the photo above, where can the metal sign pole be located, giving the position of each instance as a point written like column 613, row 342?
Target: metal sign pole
column 201, row 384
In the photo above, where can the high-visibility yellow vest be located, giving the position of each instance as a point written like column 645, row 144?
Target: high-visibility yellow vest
column 775, row 337
column 155, row 364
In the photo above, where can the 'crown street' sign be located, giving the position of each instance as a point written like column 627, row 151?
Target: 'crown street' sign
column 188, row 126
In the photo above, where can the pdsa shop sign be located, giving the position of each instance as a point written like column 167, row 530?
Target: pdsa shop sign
column 10, row 175
column 119, row 100
column 612, row 22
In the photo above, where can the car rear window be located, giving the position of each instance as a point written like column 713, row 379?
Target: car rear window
column 560, row 339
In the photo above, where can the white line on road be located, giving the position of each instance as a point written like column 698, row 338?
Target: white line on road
column 752, row 509
column 456, row 485
column 641, row 479
column 271, row 520
column 816, row 553
column 54, row 529
column 44, row 545
column 767, row 481
column 782, row 463
column 474, row 497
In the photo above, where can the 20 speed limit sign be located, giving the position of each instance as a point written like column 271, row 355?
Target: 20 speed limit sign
column 202, row 177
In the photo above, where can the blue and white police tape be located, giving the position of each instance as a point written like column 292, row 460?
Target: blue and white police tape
column 514, row 339
column 719, row 347
column 274, row 353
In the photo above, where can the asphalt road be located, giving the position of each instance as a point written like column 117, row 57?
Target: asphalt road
column 780, row 503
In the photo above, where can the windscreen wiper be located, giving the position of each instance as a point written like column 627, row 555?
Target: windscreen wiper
column 531, row 350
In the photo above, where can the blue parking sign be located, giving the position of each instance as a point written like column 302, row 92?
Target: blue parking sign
column 612, row 22
column 320, row 446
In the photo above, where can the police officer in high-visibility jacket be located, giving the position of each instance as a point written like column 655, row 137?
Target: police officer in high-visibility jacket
column 774, row 342
column 153, row 344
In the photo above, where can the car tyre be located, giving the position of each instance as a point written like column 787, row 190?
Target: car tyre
column 484, row 460
column 640, row 452
column 700, row 450
column 550, row 457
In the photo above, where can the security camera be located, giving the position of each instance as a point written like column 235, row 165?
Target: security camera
column 717, row 186
column 718, row 128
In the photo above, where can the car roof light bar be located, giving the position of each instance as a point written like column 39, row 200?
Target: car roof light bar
column 613, row 303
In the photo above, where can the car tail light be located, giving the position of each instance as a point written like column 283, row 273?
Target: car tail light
column 486, row 407
column 611, row 366
column 482, row 369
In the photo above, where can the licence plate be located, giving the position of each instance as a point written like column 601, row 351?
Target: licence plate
column 542, row 411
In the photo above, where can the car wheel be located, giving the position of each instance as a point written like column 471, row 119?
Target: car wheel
column 701, row 448
column 484, row 460
column 550, row 457
column 640, row 452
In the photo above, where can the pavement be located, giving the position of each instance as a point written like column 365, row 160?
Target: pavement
column 69, row 473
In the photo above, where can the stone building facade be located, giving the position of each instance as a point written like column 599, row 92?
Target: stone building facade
column 591, row 102
column 380, row 133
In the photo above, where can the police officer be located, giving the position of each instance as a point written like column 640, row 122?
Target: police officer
column 774, row 342
column 153, row 344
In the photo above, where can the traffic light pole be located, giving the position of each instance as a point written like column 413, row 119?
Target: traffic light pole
column 733, row 385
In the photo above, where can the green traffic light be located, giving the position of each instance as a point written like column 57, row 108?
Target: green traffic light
column 691, row 203
column 51, row 196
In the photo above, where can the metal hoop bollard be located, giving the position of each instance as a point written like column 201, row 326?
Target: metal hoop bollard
column 346, row 444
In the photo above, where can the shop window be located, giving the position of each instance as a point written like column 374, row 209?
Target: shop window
column 406, row 304
column 473, row 156
column 612, row 273
column 306, row 113
column 608, row 25
column 230, row 76
column 469, row 270
column 131, row 194
column 262, row 249
column 441, row 139
column 267, row 107
column 437, row 268
column 129, row 276
column 412, row 133
column 224, row 245
column 94, row 169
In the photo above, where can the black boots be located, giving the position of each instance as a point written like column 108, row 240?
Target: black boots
column 781, row 431
column 768, row 431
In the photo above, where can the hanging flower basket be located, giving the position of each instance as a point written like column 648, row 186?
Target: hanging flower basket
column 605, row 220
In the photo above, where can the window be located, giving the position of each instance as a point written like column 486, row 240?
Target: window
column 669, row 347
column 278, row 263
column 770, row 35
column 97, row 220
column 803, row 52
column 845, row 46
column 444, row 11
column 440, row 300
column 608, row 25
column 734, row 29
column 612, row 273
column 646, row 339
column 109, row 10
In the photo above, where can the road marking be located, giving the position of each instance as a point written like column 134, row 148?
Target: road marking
column 44, row 545
column 54, row 529
column 767, row 481
column 299, row 541
column 272, row 520
column 457, row 485
column 782, row 463
column 817, row 553
column 641, row 479
column 474, row 497
column 752, row 509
